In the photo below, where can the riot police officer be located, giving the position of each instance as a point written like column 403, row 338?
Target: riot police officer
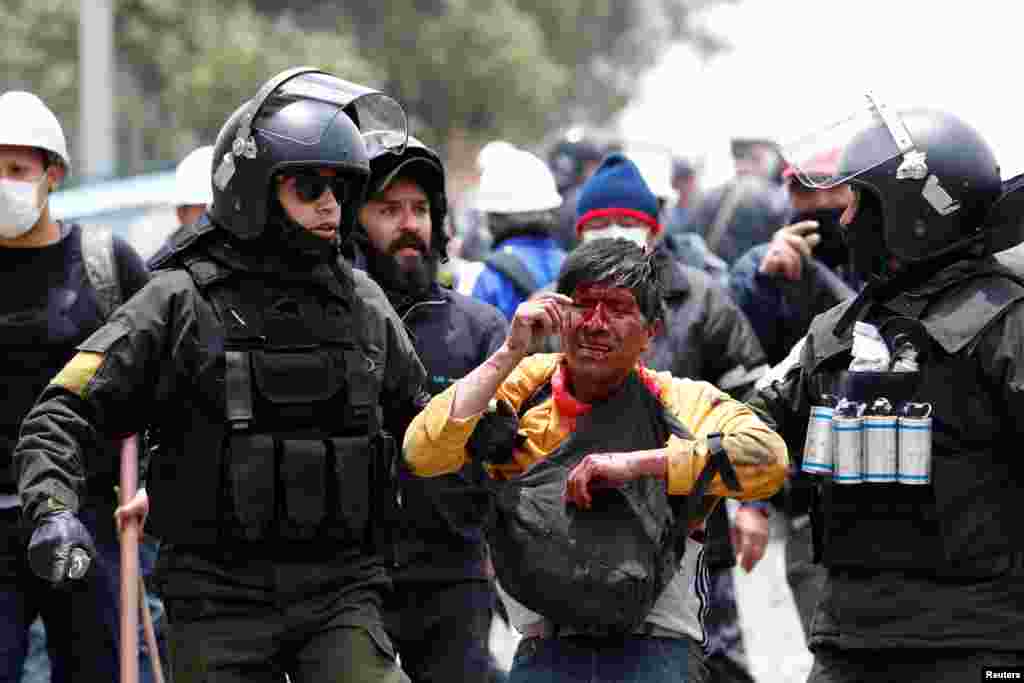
column 922, row 375
column 267, row 371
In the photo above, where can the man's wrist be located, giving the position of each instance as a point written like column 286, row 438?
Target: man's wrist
column 505, row 359
column 652, row 463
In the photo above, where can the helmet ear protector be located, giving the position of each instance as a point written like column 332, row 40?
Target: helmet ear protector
column 244, row 145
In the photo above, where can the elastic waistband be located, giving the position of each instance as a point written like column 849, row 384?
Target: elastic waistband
column 546, row 629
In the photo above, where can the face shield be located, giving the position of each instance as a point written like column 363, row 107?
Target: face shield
column 310, row 102
column 868, row 135
column 380, row 119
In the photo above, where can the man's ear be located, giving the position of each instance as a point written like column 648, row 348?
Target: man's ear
column 54, row 176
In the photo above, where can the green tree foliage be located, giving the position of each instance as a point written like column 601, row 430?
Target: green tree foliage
column 183, row 65
column 39, row 52
column 203, row 59
column 480, row 66
column 464, row 69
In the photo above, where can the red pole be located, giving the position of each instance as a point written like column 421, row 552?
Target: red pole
column 129, row 566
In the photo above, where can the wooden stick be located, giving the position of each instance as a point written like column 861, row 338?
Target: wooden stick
column 150, row 631
column 129, row 566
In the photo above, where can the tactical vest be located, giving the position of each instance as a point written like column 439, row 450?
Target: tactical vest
column 287, row 451
column 602, row 568
column 962, row 523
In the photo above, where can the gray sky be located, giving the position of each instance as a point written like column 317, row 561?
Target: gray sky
column 797, row 65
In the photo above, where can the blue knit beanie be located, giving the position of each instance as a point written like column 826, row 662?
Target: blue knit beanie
column 617, row 188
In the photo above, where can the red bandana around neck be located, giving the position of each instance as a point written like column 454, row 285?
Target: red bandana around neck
column 569, row 407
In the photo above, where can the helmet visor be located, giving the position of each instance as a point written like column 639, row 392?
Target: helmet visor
column 380, row 119
column 867, row 136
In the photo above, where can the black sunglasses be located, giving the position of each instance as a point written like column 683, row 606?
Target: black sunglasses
column 310, row 187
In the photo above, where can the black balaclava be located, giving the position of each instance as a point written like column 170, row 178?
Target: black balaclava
column 832, row 250
column 297, row 242
column 866, row 241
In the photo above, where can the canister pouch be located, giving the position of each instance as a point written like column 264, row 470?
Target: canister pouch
column 865, row 387
column 252, row 479
column 882, row 526
column 298, row 377
column 353, row 461
column 303, row 480
column 880, row 438
column 238, row 389
column 818, row 452
column 848, row 449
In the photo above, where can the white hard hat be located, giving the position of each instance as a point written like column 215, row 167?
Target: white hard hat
column 516, row 181
column 193, row 178
column 27, row 122
column 493, row 152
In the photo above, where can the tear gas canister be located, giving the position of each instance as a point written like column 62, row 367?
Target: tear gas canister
column 847, row 442
column 915, row 444
column 880, row 442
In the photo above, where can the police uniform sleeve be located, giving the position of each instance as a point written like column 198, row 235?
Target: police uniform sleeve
column 779, row 398
column 110, row 388
column 733, row 352
column 1000, row 352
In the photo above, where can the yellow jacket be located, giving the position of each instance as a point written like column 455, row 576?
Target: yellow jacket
column 435, row 443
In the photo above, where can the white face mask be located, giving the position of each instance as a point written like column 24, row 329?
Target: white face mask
column 19, row 207
column 632, row 233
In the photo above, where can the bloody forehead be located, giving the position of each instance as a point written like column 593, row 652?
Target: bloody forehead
column 594, row 292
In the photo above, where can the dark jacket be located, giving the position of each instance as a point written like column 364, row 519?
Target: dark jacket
column 938, row 565
column 706, row 336
column 48, row 308
column 759, row 208
column 781, row 310
column 437, row 534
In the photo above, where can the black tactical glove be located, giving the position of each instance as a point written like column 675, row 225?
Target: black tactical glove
column 61, row 548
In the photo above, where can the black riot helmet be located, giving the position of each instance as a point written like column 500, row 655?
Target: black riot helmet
column 924, row 180
column 301, row 117
column 421, row 164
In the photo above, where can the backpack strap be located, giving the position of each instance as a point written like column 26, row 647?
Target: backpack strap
column 101, row 268
column 539, row 395
column 723, row 217
column 512, row 267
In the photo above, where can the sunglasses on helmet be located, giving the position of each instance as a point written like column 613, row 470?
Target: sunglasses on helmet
column 310, row 187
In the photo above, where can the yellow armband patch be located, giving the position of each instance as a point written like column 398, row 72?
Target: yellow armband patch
column 76, row 375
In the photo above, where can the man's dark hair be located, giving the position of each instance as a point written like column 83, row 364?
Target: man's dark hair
column 616, row 262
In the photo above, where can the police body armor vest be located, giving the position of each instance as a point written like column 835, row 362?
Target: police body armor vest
column 299, row 425
column 602, row 568
column 961, row 523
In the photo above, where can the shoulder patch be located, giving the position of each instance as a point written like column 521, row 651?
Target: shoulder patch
column 76, row 375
